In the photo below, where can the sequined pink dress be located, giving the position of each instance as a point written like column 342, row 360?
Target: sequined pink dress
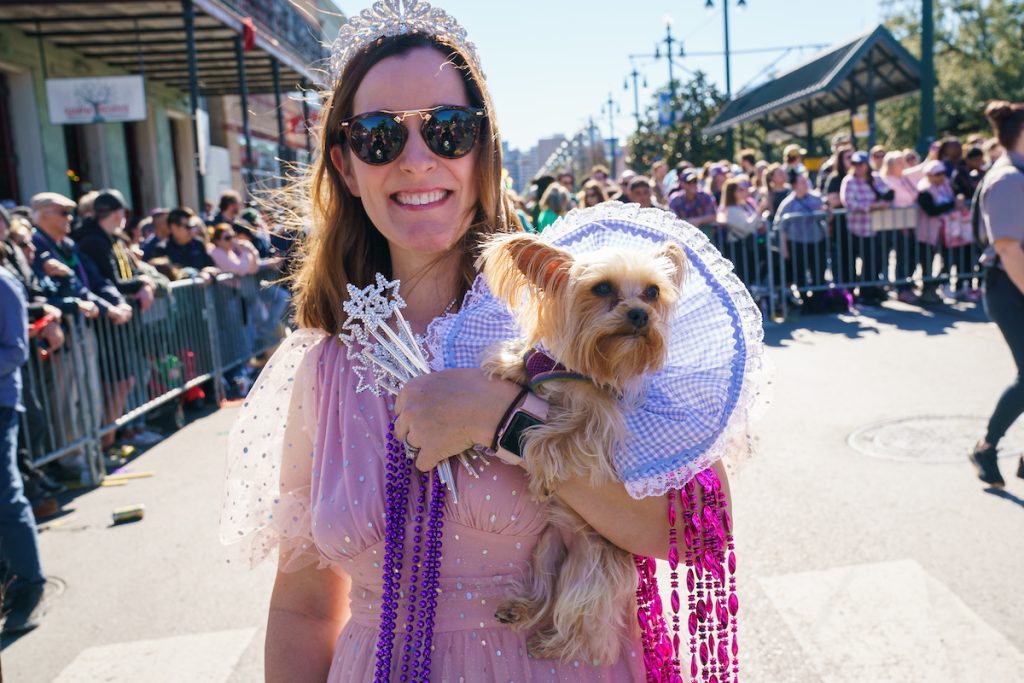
column 306, row 474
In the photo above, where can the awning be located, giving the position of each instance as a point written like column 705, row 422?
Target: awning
column 872, row 67
column 148, row 37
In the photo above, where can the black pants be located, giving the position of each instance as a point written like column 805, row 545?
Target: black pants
column 1005, row 305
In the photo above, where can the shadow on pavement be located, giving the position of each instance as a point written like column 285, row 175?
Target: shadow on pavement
column 865, row 321
column 1005, row 495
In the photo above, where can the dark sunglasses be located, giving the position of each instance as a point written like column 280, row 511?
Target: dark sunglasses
column 378, row 137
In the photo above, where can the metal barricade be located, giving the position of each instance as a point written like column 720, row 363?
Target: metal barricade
column 752, row 262
column 871, row 253
column 108, row 375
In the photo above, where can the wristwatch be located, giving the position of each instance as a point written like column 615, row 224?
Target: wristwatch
column 528, row 410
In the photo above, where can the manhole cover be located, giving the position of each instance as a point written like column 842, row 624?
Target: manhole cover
column 930, row 439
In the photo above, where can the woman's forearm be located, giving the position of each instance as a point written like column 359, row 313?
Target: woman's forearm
column 299, row 648
column 637, row 526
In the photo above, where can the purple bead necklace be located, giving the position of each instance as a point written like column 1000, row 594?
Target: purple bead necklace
column 422, row 598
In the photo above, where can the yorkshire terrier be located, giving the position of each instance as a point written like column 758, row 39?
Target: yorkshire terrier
column 604, row 316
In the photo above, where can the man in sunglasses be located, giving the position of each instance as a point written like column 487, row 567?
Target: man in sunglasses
column 691, row 203
column 58, row 257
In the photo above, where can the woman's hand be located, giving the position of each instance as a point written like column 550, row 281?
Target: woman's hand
column 445, row 413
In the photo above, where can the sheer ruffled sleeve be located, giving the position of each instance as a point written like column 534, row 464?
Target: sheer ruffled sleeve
column 269, row 460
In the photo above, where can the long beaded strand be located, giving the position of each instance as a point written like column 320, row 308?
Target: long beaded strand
column 396, row 491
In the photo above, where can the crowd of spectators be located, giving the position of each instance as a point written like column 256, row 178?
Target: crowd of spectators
column 883, row 218
column 87, row 269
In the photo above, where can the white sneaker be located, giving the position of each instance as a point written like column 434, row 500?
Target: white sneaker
column 144, row 438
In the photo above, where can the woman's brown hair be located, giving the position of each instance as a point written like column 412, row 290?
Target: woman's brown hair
column 729, row 193
column 1007, row 121
column 343, row 245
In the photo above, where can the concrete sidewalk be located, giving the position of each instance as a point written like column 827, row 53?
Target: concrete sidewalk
column 853, row 567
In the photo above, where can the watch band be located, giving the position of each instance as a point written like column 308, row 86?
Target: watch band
column 528, row 403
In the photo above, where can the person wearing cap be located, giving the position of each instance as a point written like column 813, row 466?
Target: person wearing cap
column 693, row 204
column 59, row 258
column 875, row 157
column 862, row 191
column 161, row 232
column 793, row 162
column 100, row 238
column 937, row 201
column 183, row 249
column 717, row 175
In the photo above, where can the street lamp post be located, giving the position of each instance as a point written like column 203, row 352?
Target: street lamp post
column 636, row 92
column 710, row 5
column 669, row 41
column 610, row 109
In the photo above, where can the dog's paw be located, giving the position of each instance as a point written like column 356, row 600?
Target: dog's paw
column 512, row 612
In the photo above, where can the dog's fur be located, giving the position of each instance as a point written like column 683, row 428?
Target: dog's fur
column 579, row 596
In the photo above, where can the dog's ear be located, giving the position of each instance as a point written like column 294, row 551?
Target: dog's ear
column 512, row 262
column 676, row 255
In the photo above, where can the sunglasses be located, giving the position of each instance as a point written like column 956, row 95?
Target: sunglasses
column 378, row 137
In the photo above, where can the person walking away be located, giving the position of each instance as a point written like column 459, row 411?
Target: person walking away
column 19, row 547
column 1002, row 215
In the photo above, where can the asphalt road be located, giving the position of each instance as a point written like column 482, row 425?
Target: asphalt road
column 854, row 567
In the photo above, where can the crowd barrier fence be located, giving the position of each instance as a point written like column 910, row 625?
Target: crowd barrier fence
column 106, row 376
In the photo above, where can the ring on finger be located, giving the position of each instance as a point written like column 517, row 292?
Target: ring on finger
column 410, row 450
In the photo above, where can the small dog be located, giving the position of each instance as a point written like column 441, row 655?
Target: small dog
column 604, row 316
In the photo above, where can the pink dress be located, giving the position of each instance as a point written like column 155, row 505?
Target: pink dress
column 306, row 474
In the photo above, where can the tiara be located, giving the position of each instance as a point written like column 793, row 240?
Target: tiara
column 387, row 18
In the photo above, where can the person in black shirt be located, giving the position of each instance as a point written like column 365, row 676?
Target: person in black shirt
column 183, row 248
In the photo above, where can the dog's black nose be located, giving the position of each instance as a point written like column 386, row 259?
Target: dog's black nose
column 638, row 317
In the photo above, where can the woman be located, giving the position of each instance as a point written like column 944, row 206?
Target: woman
column 937, row 202
column 804, row 236
column 554, row 204
column 861, row 193
column 233, row 255
column 904, row 189
column 1002, row 198
column 741, row 222
column 774, row 189
column 415, row 212
column 592, row 194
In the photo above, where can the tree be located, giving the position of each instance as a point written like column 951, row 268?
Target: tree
column 977, row 45
column 696, row 103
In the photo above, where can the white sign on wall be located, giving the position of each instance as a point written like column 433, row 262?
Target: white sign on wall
column 103, row 99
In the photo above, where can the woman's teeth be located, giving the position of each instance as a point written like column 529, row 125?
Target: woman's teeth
column 420, row 198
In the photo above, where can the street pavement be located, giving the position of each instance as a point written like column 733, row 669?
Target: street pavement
column 854, row 566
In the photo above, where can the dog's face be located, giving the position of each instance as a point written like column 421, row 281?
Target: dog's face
column 603, row 314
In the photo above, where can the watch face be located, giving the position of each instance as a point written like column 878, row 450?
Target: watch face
column 512, row 439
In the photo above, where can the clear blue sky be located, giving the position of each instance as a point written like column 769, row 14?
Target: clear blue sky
column 551, row 63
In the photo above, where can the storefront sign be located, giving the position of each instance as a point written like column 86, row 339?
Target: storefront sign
column 103, row 99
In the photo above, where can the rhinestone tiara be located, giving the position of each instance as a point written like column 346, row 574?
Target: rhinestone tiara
column 388, row 18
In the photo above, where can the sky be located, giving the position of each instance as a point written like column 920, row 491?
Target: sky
column 551, row 64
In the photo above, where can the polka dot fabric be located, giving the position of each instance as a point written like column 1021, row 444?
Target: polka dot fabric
column 306, row 476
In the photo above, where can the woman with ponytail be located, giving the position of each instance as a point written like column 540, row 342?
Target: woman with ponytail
column 1002, row 218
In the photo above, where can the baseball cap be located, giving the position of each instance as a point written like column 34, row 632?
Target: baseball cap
column 108, row 201
column 789, row 150
column 688, row 176
column 48, row 199
column 859, row 157
column 934, row 167
column 717, row 170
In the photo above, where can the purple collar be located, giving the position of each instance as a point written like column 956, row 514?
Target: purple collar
column 541, row 368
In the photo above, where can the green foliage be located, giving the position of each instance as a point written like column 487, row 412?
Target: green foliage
column 696, row 103
column 977, row 59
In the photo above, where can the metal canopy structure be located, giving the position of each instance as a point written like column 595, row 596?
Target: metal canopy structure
column 204, row 47
column 872, row 68
column 150, row 37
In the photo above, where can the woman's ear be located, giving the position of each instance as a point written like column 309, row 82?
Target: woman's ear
column 344, row 169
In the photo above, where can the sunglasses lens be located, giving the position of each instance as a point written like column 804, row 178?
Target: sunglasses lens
column 377, row 139
column 451, row 133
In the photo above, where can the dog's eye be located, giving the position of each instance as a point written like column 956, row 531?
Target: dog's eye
column 652, row 292
column 602, row 289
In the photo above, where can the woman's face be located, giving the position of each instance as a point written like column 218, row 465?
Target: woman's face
column 778, row 178
column 593, row 198
column 896, row 166
column 420, row 202
column 226, row 241
column 937, row 178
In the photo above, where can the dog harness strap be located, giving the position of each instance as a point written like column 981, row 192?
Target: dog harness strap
column 541, row 368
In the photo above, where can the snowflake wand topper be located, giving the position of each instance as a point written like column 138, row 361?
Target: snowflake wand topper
column 385, row 356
